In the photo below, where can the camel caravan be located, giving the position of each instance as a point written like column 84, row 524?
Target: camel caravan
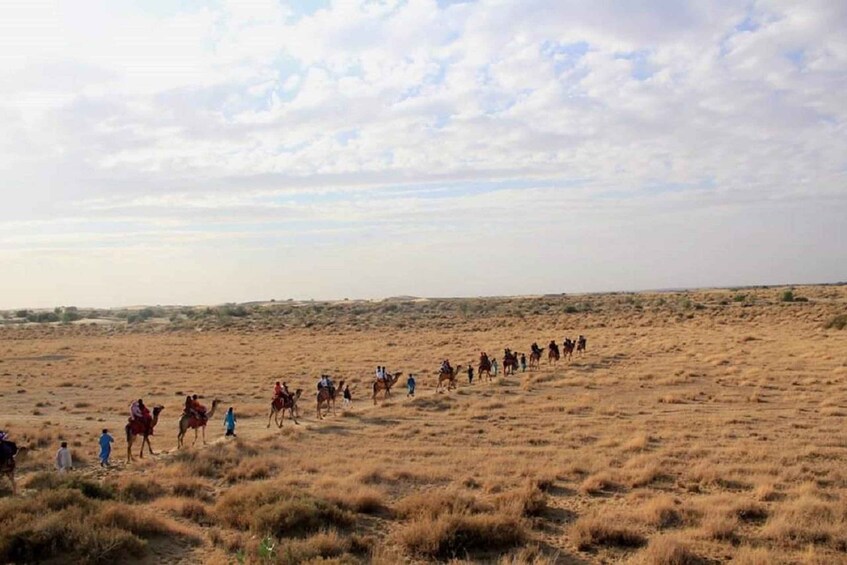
column 142, row 421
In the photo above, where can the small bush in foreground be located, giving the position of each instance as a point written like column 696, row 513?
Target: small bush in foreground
column 595, row 531
column 666, row 550
column 454, row 535
column 278, row 509
column 64, row 523
column 837, row 323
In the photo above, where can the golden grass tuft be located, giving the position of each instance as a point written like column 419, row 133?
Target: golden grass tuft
column 595, row 531
column 599, row 483
column 282, row 510
column 668, row 550
column 455, row 535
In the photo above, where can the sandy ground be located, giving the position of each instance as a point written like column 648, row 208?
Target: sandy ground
column 704, row 410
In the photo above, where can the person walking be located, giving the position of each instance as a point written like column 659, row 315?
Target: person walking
column 523, row 363
column 470, row 373
column 348, row 396
column 106, row 442
column 229, row 422
column 494, row 367
column 64, row 462
column 410, row 385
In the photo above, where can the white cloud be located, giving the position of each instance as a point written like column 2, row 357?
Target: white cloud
column 478, row 126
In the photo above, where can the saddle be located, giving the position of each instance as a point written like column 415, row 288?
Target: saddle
column 139, row 427
column 281, row 401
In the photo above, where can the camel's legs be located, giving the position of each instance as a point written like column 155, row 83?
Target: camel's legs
column 270, row 415
column 203, row 430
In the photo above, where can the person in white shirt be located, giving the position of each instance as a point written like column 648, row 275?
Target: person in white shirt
column 63, row 458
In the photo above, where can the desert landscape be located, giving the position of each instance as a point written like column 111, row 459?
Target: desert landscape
column 701, row 426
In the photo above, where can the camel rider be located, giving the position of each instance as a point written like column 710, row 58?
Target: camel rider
column 326, row 383
column 445, row 367
column 140, row 413
column 198, row 409
column 378, row 373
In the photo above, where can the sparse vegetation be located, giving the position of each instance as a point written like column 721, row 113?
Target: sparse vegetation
column 691, row 435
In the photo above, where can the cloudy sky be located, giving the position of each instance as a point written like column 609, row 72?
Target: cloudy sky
column 200, row 152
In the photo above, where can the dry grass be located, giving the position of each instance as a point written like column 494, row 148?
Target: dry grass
column 684, row 435
column 668, row 550
column 591, row 532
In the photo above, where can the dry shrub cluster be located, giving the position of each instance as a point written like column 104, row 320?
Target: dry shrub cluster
column 809, row 520
column 593, row 531
column 273, row 508
column 63, row 521
column 446, row 524
column 668, row 550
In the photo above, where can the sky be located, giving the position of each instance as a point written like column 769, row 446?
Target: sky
column 191, row 152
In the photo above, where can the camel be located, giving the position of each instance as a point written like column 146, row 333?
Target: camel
column 385, row 384
column 187, row 422
column 280, row 404
column 534, row 359
column 510, row 362
column 552, row 352
column 580, row 345
column 8, row 451
column 448, row 376
column 484, row 366
column 136, row 428
column 567, row 348
column 326, row 395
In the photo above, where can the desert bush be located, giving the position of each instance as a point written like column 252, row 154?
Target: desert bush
column 432, row 504
column 185, row 508
column 528, row 501
column 253, row 468
column 47, row 481
column 719, row 526
column 453, row 535
column 278, row 509
column 788, row 296
column 361, row 499
column 807, row 520
column 599, row 483
column 597, row 531
column 755, row 556
column 191, row 488
column 216, row 461
column 663, row 512
column 529, row 555
column 667, row 550
column 139, row 489
column 64, row 523
column 838, row 322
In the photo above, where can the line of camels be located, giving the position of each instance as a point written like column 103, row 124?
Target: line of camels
column 447, row 379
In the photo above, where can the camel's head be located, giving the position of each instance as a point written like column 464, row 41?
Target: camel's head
column 158, row 408
column 298, row 392
column 216, row 401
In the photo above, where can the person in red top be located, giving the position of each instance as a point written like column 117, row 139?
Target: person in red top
column 199, row 409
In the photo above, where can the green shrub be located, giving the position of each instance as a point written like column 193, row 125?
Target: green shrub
column 788, row 296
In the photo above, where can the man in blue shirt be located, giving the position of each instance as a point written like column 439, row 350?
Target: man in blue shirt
column 105, row 448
